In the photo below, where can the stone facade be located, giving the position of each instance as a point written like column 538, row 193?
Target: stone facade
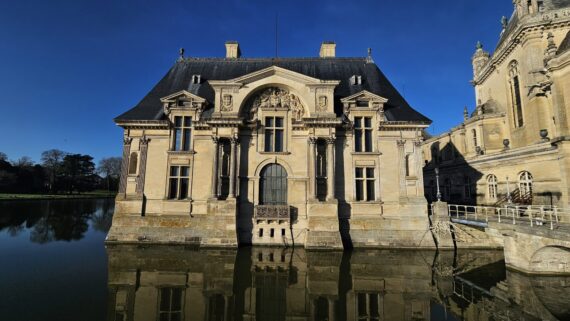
column 514, row 145
column 307, row 152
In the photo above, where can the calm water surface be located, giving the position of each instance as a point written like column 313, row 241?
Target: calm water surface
column 55, row 267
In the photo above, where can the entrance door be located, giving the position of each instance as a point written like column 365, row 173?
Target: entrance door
column 273, row 185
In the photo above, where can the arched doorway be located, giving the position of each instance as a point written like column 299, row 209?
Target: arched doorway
column 273, row 185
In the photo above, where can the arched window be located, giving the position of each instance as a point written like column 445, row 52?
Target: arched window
column 516, row 100
column 273, row 185
column 434, row 154
column 133, row 160
column 492, row 187
column 525, row 184
column 321, row 170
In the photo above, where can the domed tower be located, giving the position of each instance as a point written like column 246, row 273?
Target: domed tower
column 479, row 60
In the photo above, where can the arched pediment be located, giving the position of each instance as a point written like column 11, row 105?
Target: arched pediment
column 273, row 98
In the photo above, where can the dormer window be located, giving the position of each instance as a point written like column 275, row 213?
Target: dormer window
column 362, row 103
column 196, row 79
column 356, row 80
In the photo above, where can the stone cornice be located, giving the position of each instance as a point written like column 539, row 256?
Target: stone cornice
column 462, row 126
column 143, row 124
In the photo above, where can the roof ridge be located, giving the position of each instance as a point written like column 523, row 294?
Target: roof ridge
column 241, row 59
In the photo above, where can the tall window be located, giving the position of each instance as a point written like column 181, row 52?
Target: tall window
column 170, row 304
column 364, row 177
column 321, row 170
column 369, row 306
column 525, row 184
column 474, row 134
column 133, row 160
column 516, row 93
column 273, row 185
column 362, row 134
column 435, row 154
column 224, row 164
column 274, row 134
column 492, row 186
column 182, row 133
column 466, row 187
column 178, row 182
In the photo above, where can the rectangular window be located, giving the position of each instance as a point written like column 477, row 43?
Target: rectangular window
column 364, row 178
column 274, row 127
column 170, row 304
column 178, row 182
column 519, row 121
column 362, row 134
column 182, row 133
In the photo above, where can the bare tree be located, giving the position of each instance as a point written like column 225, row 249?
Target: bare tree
column 3, row 157
column 52, row 160
column 23, row 161
column 110, row 167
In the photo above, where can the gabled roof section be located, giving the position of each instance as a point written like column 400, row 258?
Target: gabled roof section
column 365, row 94
column 182, row 93
column 179, row 78
column 267, row 72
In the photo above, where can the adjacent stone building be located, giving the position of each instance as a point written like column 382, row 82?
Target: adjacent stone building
column 515, row 144
column 282, row 151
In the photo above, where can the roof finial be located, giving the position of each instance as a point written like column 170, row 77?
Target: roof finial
column 479, row 45
column 504, row 22
column 181, row 54
column 465, row 113
column 369, row 57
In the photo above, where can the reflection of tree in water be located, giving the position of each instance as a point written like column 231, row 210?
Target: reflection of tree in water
column 57, row 220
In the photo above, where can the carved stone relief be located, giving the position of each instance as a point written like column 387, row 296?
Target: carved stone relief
column 227, row 103
column 277, row 98
column 322, row 103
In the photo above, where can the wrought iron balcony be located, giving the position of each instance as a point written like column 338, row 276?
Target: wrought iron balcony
column 272, row 212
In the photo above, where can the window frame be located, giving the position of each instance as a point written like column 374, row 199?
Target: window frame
column 270, row 131
column 178, row 177
column 170, row 312
column 492, row 187
column 366, row 182
column 516, row 95
column 364, row 130
column 184, row 128
column 526, row 182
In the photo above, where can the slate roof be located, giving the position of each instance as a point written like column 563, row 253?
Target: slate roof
column 564, row 45
column 179, row 78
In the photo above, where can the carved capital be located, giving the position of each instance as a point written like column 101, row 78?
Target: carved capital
column 418, row 143
column 127, row 140
column 331, row 139
column 144, row 140
column 234, row 140
column 215, row 139
column 401, row 142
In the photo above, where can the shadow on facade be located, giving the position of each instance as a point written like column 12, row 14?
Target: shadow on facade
column 457, row 179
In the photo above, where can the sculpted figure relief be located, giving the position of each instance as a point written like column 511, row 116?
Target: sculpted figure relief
column 277, row 98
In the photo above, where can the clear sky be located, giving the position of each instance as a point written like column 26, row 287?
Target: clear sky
column 67, row 68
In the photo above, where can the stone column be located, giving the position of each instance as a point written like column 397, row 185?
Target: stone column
column 418, row 166
column 332, row 315
column 142, row 165
column 214, row 192
column 125, row 165
column 330, row 168
column 402, row 161
column 234, row 142
column 312, row 168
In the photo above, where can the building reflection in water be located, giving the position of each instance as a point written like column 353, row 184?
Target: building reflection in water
column 174, row 283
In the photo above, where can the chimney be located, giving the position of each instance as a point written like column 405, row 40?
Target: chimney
column 328, row 49
column 232, row 50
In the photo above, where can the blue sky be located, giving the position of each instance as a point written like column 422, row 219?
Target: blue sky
column 68, row 67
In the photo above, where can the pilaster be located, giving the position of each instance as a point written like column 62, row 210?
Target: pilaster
column 125, row 165
column 142, row 165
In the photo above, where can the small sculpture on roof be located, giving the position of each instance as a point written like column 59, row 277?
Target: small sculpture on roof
column 504, row 22
column 369, row 57
column 181, row 54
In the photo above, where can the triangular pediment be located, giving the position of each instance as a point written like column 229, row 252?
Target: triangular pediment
column 274, row 71
column 364, row 95
column 182, row 94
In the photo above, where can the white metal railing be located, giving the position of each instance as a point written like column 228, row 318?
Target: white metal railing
column 514, row 214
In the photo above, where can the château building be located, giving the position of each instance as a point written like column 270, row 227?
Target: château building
column 514, row 147
column 281, row 151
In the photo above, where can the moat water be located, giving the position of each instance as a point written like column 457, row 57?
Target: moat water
column 55, row 266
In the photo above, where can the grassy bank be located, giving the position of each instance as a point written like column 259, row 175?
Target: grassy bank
column 94, row 194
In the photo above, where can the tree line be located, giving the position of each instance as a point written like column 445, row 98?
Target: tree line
column 58, row 172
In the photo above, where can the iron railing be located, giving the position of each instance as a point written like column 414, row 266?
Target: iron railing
column 272, row 212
